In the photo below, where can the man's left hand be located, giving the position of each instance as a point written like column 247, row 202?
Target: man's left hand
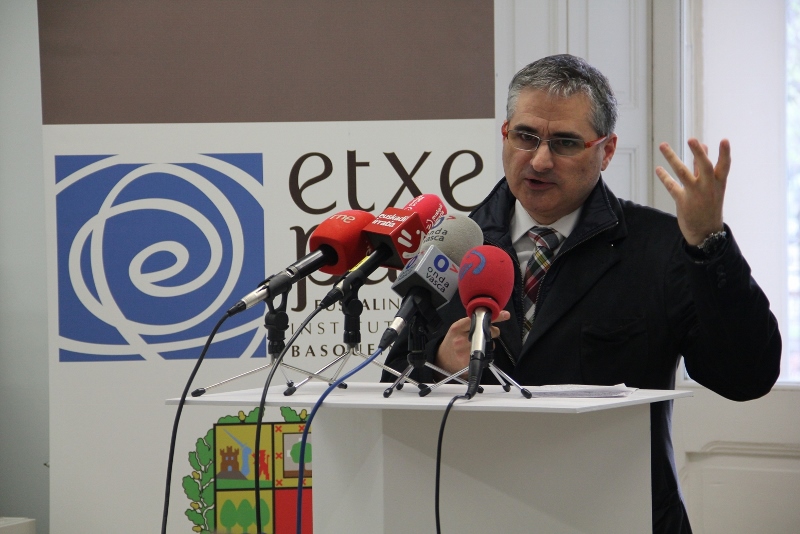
column 700, row 194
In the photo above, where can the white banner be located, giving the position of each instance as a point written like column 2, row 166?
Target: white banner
column 154, row 231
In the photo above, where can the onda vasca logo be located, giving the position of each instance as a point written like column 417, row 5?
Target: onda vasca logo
column 150, row 254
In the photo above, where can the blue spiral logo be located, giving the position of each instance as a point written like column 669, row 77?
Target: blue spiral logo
column 150, row 255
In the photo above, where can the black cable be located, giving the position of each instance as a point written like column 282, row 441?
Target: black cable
column 275, row 364
column 439, row 457
column 178, row 418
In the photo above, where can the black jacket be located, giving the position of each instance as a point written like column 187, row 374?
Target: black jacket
column 621, row 303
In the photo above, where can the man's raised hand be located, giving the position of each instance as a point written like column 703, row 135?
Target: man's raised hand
column 698, row 195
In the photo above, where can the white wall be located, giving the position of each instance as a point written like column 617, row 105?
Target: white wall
column 740, row 462
column 24, row 417
column 743, row 72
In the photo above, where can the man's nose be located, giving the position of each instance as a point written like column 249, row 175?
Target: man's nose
column 542, row 158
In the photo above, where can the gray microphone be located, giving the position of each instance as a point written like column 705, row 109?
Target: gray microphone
column 454, row 235
column 430, row 279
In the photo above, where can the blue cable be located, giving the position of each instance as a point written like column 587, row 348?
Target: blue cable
column 302, row 463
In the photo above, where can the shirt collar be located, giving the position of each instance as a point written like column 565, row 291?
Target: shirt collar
column 521, row 222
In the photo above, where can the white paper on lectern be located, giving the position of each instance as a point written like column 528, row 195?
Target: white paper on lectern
column 581, row 390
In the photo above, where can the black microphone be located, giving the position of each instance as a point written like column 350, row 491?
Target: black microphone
column 337, row 244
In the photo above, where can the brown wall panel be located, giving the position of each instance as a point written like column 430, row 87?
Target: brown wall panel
column 157, row 61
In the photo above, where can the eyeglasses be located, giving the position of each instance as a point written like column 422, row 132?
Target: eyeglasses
column 561, row 146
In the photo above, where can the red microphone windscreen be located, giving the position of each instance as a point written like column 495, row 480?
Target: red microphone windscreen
column 486, row 279
column 430, row 209
column 400, row 231
column 343, row 233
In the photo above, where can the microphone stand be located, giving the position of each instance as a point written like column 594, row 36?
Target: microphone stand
column 276, row 321
column 488, row 362
column 425, row 319
column 352, row 308
column 417, row 338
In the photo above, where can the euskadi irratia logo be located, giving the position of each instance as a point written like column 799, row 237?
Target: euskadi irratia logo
column 221, row 486
column 151, row 255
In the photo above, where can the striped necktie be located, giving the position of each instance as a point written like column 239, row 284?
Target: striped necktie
column 546, row 240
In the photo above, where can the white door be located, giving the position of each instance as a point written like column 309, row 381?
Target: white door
column 739, row 463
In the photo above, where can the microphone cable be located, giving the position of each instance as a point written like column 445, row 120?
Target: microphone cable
column 439, row 457
column 181, row 403
column 304, row 439
column 262, row 405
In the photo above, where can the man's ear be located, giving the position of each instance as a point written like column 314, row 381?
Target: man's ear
column 609, row 147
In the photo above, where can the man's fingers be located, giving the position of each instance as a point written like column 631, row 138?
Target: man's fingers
column 673, row 187
column 668, row 153
column 724, row 161
column 462, row 325
column 504, row 315
column 681, row 170
column 702, row 164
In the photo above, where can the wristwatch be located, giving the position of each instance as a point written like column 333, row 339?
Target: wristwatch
column 712, row 244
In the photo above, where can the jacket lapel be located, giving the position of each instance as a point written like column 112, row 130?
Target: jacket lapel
column 585, row 257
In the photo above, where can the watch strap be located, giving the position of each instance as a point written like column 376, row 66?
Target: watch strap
column 710, row 246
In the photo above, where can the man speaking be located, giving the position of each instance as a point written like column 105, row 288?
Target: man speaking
column 607, row 291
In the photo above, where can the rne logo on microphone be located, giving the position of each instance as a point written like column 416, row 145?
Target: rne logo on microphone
column 151, row 255
column 347, row 219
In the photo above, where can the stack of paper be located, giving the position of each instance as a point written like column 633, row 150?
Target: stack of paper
column 580, row 390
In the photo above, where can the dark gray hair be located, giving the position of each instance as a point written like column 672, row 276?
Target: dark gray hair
column 565, row 75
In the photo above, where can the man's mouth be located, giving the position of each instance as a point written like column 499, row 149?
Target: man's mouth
column 536, row 182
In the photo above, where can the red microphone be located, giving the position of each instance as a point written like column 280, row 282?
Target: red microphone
column 338, row 243
column 429, row 208
column 485, row 283
column 342, row 232
column 395, row 236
